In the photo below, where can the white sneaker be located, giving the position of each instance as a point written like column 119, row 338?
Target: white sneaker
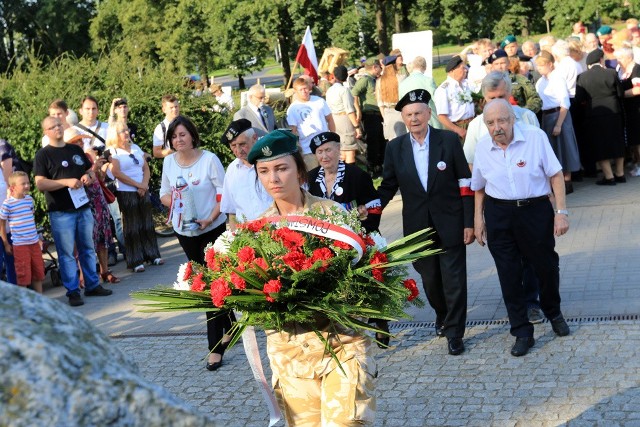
column 635, row 171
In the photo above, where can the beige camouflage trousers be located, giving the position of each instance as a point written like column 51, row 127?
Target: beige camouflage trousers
column 335, row 399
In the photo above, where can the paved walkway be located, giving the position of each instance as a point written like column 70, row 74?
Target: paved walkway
column 591, row 377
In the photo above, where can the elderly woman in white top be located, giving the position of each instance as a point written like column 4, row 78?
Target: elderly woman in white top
column 192, row 180
column 556, row 120
column 129, row 166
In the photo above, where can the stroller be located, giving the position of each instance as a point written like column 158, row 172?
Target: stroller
column 50, row 261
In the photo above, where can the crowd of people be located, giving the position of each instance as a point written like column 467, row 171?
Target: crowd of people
column 551, row 113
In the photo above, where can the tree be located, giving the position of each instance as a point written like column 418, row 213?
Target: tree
column 381, row 26
column 359, row 42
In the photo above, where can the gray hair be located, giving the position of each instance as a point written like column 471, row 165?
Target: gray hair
column 249, row 132
column 419, row 63
column 530, row 43
column 560, row 49
column 546, row 42
column 493, row 80
column 256, row 88
column 623, row 52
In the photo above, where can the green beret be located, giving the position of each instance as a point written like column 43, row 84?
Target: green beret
column 275, row 144
column 508, row 40
column 604, row 30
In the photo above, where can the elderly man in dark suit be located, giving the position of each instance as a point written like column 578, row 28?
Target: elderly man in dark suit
column 261, row 116
column 429, row 168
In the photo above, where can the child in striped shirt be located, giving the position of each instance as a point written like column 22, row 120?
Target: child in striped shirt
column 17, row 211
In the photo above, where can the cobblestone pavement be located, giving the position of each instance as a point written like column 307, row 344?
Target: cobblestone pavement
column 591, row 377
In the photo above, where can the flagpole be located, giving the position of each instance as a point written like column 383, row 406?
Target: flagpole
column 293, row 71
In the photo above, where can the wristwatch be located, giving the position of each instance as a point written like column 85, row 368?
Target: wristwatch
column 562, row 211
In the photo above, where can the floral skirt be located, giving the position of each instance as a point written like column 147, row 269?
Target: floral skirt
column 102, row 236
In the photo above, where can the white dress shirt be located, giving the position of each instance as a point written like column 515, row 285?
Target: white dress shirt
column 521, row 171
column 421, row 157
column 242, row 195
column 553, row 91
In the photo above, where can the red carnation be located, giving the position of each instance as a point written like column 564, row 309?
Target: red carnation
column 296, row 260
column 291, row 240
column 188, row 271
column 219, row 291
column 378, row 258
column 342, row 245
column 253, row 226
column 322, row 254
column 378, row 274
column 271, row 287
column 260, row 262
column 238, row 282
column 210, row 259
column 246, row 254
column 368, row 240
column 198, row 284
column 410, row 284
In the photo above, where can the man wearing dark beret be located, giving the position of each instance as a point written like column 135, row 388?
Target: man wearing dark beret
column 429, row 168
column 243, row 197
column 453, row 98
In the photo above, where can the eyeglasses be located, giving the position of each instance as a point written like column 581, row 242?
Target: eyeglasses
column 123, row 131
column 54, row 126
column 135, row 160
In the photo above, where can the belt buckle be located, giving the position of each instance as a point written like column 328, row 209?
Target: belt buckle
column 522, row 202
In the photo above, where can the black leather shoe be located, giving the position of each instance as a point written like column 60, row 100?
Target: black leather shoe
column 456, row 346
column 522, row 346
column 605, row 181
column 214, row 366
column 620, row 179
column 560, row 327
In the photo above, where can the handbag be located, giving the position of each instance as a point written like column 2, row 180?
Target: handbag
column 108, row 194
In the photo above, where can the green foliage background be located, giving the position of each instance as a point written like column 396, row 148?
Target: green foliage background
column 25, row 96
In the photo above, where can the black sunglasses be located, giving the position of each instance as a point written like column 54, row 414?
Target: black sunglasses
column 135, row 160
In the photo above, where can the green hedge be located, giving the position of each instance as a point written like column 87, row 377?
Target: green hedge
column 26, row 95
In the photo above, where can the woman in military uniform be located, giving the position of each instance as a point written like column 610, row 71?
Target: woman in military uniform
column 310, row 386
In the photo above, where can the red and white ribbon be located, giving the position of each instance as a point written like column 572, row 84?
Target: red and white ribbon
column 322, row 228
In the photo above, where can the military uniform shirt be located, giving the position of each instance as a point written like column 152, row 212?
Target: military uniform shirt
column 453, row 99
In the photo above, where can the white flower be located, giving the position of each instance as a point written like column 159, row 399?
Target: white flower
column 180, row 284
column 379, row 241
column 222, row 243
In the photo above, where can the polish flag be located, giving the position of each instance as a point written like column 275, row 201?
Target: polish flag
column 306, row 56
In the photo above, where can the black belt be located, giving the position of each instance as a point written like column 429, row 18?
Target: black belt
column 551, row 110
column 518, row 203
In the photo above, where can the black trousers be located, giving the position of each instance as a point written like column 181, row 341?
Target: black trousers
column 444, row 278
column 517, row 232
column 217, row 322
column 372, row 123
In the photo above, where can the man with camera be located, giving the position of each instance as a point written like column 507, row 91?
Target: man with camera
column 90, row 125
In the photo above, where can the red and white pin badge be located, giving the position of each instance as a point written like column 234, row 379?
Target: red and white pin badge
column 521, row 163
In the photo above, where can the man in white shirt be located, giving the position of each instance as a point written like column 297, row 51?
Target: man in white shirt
column 307, row 116
column 453, row 98
column 171, row 110
column 90, row 125
column 243, row 196
column 514, row 172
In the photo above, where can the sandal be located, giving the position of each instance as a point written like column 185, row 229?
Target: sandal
column 139, row 269
column 158, row 261
column 108, row 277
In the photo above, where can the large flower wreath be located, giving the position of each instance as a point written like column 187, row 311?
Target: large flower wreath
column 296, row 269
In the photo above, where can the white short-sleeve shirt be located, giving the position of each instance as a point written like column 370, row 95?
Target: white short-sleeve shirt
column 309, row 118
column 453, row 99
column 242, row 195
column 521, row 171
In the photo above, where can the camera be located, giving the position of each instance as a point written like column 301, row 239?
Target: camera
column 101, row 152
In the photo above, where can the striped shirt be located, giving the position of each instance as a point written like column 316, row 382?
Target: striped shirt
column 19, row 214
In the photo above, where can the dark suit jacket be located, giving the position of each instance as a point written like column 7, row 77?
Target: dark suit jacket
column 599, row 92
column 256, row 122
column 441, row 206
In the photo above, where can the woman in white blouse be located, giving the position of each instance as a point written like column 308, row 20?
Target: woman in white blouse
column 192, row 181
column 131, row 171
column 556, row 122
